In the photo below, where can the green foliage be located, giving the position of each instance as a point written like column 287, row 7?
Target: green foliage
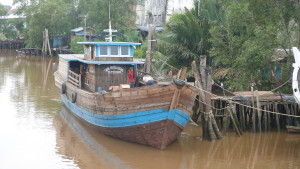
column 2, row 36
column 243, row 43
column 186, row 36
column 239, row 35
column 3, row 10
column 77, row 48
column 60, row 16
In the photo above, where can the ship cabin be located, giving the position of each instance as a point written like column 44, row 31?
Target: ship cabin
column 104, row 66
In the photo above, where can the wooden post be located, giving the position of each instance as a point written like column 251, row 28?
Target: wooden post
column 253, row 110
column 215, row 126
column 202, row 68
column 258, row 110
column 150, row 49
column 46, row 43
column 49, row 47
column 197, row 81
column 264, row 117
column 209, row 125
column 181, row 76
column 269, row 116
column 226, row 121
column 287, row 110
column 277, row 116
column 232, row 119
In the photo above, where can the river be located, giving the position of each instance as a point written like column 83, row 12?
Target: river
column 37, row 132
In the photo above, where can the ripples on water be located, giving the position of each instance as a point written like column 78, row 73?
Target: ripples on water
column 36, row 131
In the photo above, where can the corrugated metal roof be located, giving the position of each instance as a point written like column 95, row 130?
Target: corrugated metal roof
column 220, row 73
column 79, row 29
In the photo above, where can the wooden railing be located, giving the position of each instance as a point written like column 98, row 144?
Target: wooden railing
column 74, row 78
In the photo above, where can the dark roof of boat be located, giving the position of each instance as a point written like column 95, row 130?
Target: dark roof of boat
column 79, row 58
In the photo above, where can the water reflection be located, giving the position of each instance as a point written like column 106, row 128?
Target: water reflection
column 91, row 149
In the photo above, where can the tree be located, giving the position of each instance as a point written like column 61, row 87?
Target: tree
column 3, row 10
column 186, row 35
column 244, row 43
column 76, row 48
column 60, row 16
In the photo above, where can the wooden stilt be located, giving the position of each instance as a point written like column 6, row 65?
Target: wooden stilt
column 264, row 117
column 277, row 116
column 258, row 111
column 226, row 121
column 269, row 116
column 215, row 127
column 233, row 120
column 253, row 111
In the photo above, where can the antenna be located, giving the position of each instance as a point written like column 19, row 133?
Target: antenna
column 110, row 31
column 84, row 29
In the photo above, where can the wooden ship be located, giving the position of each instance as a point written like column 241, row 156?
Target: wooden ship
column 94, row 87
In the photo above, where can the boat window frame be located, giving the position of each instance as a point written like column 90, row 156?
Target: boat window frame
column 128, row 50
column 107, row 50
column 110, row 50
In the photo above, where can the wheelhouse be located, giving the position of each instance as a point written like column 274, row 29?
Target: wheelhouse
column 102, row 66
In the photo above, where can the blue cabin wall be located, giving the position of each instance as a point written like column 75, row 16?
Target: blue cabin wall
column 131, row 51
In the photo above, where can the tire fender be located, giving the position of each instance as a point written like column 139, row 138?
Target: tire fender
column 74, row 97
column 63, row 88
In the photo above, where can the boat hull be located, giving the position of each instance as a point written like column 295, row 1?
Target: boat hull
column 156, row 128
column 141, row 115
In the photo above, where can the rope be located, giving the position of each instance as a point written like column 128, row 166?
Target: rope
column 258, row 95
column 281, row 85
column 211, row 105
column 168, row 64
column 277, row 113
column 289, row 115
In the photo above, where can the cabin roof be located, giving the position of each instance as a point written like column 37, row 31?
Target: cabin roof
column 110, row 43
column 79, row 29
column 79, row 58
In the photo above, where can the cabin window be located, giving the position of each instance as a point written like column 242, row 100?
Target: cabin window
column 103, row 50
column 114, row 50
column 124, row 50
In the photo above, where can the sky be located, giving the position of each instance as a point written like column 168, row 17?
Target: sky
column 6, row 2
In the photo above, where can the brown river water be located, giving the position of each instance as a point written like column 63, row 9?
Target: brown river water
column 37, row 132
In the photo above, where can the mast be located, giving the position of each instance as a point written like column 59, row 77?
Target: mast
column 110, row 30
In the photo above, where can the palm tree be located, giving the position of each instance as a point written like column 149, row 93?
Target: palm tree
column 186, row 36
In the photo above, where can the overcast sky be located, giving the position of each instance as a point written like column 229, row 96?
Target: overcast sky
column 6, row 2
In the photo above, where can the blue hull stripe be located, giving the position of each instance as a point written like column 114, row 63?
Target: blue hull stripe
column 128, row 119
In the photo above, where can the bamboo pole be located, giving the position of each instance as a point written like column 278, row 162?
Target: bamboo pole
column 215, row 127
column 258, row 111
column 253, row 110
column 269, row 116
column 234, row 115
column 277, row 116
column 264, row 116
column 149, row 52
column 226, row 121
column 233, row 121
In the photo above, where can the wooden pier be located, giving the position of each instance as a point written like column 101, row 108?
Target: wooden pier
column 255, row 111
column 12, row 44
column 38, row 51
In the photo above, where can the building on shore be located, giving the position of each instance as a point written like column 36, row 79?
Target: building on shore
column 157, row 12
